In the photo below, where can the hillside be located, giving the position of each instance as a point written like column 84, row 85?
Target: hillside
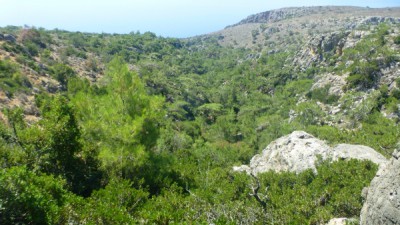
column 296, row 25
column 136, row 128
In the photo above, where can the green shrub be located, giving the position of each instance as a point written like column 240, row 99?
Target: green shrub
column 7, row 69
column 11, row 79
column 322, row 95
column 307, row 198
column 114, row 204
column 363, row 74
column 62, row 73
column 397, row 40
column 27, row 198
column 32, row 48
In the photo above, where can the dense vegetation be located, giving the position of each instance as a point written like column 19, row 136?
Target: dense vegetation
column 154, row 139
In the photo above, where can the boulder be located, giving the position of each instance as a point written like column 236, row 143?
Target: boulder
column 338, row 221
column 382, row 205
column 361, row 152
column 9, row 37
column 300, row 151
column 295, row 152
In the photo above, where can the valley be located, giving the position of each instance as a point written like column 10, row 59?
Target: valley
column 99, row 128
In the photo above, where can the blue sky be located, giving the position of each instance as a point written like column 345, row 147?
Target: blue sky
column 169, row 18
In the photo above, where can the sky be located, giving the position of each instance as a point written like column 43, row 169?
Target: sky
column 168, row 18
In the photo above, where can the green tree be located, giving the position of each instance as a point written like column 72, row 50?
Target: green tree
column 28, row 198
column 54, row 145
column 123, row 122
column 62, row 73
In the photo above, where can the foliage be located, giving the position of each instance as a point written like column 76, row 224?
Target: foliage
column 11, row 79
column 53, row 145
column 153, row 137
column 123, row 122
column 115, row 204
column 397, row 40
column 62, row 73
column 363, row 75
column 307, row 198
column 322, row 95
column 27, row 198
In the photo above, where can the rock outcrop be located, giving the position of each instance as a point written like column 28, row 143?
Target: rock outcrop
column 296, row 152
column 277, row 15
column 335, row 83
column 318, row 45
column 340, row 221
column 9, row 37
column 300, row 151
column 361, row 152
column 382, row 204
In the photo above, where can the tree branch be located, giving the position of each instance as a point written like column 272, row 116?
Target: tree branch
column 255, row 193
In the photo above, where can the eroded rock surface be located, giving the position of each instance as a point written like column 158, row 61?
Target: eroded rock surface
column 382, row 205
column 361, row 152
column 295, row 152
column 300, row 151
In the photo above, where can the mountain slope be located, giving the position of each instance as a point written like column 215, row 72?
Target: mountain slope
column 302, row 23
column 112, row 128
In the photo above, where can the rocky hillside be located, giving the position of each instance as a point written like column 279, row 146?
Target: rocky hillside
column 297, row 25
column 29, row 58
column 121, row 128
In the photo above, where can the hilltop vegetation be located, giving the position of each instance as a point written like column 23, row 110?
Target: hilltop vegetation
column 135, row 128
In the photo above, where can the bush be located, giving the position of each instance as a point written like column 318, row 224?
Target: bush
column 32, row 48
column 363, row 74
column 308, row 198
column 397, row 40
column 322, row 95
column 62, row 73
column 11, row 80
column 27, row 198
column 115, row 204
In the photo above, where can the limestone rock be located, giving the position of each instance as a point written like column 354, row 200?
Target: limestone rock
column 382, row 205
column 338, row 221
column 276, row 15
column 300, row 151
column 331, row 43
column 361, row 152
column 242, row 168
column 335, row 82
column 295, row 152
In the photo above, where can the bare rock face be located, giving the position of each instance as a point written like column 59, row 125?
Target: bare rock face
column 296, row 152
column 331, row 43
column 336, row 83
column 277, row 15
column 340, row 221
column 382, row 205
column 361, row 152
column 300, row 151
